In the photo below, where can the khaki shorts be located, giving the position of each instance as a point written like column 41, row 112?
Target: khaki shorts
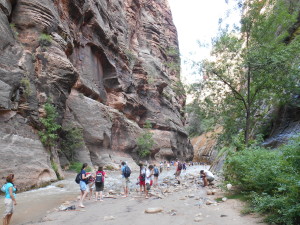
column 9, row 207
column 125, row 182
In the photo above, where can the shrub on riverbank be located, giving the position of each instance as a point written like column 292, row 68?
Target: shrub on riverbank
column 76, row 166
column 271, row 178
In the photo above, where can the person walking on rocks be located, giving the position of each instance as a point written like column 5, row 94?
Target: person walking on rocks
column 207, row 177
column 148, row 180
column 125, row 171
column 10, row 198
column 83, row 184
column 155, row 174
column 178, row 170
column 99, row 183
column 142, row 177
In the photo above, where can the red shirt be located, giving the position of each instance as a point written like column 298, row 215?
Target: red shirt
column 103, row 174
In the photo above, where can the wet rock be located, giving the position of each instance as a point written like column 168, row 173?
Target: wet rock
column 224, row 199
column 198, row 219
column 229, row 186
column 209, row 192
column 106, row 218
column 154, row 210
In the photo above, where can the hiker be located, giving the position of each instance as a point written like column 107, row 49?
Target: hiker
column 178, row 170
column 155, row 175
column 83, row 184
column 141, row 178
column 10, row 198
column 161, row 166
column 91, row 184
column 125, row 171
column 168, row 165
column 99, row 183
column 148, row 180
column 207, row 177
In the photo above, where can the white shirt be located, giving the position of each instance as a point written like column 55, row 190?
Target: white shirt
column 148, row 177
column 209, row 174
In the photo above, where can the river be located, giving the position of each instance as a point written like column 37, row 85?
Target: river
column 34, row 204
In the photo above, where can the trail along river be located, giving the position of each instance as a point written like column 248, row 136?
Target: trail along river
column 33, row 205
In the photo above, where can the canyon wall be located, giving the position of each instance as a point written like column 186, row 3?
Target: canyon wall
column 107, row 66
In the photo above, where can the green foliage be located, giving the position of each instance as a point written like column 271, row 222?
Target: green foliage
column 72, row 138
column 178, row 88
column 14, row 30
column 145, row 142
column 270, row 178
column 55, row 168
column 252, row 71
column 45, row 40
column 76, row 166
column 198, row 121
column 25, row 82
column 49, row 135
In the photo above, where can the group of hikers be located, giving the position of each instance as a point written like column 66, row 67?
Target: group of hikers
column 148, row 176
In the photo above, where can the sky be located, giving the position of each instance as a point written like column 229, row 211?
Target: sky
column 197, row 20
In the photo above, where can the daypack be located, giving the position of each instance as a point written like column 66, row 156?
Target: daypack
column 78, row 178
column 3, row 188
column 99, row 178
column 142, row 177
column 156, row 172
column 127, row 171
column 180, row 166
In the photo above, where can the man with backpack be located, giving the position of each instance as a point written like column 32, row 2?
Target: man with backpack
column 155, row 175
column 125, row 171
column 99, row 183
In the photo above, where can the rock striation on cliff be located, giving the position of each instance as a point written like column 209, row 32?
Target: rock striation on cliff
column 106, row 65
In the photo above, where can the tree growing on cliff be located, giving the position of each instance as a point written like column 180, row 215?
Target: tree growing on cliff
column 145, row 142
column 253, row 70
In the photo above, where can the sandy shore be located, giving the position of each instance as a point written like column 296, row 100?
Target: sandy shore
column 183, row 204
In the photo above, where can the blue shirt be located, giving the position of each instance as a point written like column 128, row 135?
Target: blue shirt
column 7, row 187
column 84, row 180
column 123, row 170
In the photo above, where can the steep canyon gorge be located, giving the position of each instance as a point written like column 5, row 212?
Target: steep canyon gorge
column 107, row 66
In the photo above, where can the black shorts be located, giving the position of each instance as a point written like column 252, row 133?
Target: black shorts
column 99, row 187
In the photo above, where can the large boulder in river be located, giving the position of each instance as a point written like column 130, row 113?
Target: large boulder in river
column 22, row 154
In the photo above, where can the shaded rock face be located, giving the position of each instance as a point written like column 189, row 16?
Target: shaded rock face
column 107, row 67
column 204, row 146
column 285, row 127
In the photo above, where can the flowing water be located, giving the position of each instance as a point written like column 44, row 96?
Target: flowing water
column 34, row 204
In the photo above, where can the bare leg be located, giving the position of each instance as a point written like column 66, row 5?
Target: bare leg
column 9, row 218
column 101, row 196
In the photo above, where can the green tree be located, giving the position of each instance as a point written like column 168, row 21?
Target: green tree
column 72, row 138
column 252, row 68
column 145, row 142
column 49, row 134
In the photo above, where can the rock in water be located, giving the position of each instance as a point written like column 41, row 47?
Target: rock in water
column 154, row 210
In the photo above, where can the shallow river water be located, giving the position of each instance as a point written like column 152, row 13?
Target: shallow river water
column 33, row 205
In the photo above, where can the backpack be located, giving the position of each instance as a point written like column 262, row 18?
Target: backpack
column 99, row 178
column 142, row 177
column 127, row 171
column 3, row 188
column 78, row 178
column 180, row 166
column 156, row 172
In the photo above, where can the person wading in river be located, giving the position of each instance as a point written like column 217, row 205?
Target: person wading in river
column 10, row 199
column 83, row 184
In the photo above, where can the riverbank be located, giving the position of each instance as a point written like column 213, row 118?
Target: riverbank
column 184, row 204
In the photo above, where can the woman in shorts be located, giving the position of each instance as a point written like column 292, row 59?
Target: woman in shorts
column 83, row 184
column 10, row 198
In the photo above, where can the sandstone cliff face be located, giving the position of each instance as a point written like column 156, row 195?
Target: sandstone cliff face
column 106, row 65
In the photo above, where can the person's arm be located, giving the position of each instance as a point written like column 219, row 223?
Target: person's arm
column 12, row 195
